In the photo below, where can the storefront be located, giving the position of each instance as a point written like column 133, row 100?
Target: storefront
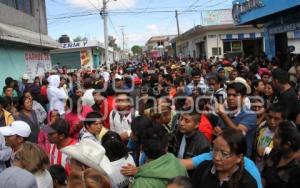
column 278, row 17
column 23, row 51
column 220, row 40
column 76, row 55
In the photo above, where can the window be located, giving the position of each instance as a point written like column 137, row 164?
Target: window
column 28, row 7
column 227, row 47
column 11, row 3
column 236, row 46
column 22, row 5
column 212, row 36
column 232, row 46
column 216, row 51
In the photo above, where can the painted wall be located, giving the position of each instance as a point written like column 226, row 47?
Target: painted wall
column 270, row 7
column 12, row 63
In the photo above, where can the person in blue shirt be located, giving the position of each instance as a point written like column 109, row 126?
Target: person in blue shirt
column 249, row 165
column 236, row 115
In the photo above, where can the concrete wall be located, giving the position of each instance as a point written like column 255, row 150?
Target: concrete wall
column 36, row 22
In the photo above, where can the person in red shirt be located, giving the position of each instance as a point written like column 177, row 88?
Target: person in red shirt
column 108, row 105
column 58, row 136
column 76, row 116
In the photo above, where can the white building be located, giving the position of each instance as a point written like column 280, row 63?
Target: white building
column 159, row 46
column 207, row 41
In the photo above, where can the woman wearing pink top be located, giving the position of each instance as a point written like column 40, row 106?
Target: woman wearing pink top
column 76, row 116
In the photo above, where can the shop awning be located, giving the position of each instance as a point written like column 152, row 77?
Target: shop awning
column 242, row 36
column 20, row 35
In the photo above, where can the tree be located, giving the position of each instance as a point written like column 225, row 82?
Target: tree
column 138, row 50
column 79, row 38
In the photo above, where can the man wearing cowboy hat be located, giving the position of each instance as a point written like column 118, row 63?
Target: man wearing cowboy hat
column 87, row 154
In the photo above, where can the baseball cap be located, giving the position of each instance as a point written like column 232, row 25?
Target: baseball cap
column 20, row 128
column 15, row 177
column 60, row 126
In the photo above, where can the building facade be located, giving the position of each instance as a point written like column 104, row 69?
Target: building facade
column 24, row 43
column 281, row 19
column 83, row 54
column 159, row 46
column 219, row 40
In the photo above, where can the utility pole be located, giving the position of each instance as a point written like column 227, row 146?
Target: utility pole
column 176, row 16
column 123, row 35
column 104, row 14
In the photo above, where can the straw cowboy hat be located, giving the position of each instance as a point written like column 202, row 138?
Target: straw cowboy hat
column 242, row 81
column 91, row 154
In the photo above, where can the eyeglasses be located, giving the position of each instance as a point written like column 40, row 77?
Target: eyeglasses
column 223, row 154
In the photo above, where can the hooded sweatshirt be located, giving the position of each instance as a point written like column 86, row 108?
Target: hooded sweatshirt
column 158, row 172
column 55, row 95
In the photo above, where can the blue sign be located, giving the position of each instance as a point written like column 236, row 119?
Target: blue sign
column 245, row 11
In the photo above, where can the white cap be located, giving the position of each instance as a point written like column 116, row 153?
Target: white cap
column 25, row 77
column 117, row 76
column 19, row 128
column 183, row 64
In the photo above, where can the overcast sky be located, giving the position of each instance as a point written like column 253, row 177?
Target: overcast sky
column 141, row 18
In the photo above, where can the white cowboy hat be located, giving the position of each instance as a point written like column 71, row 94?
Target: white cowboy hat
column 242, row 81
column 91, row 154
column 25, row 77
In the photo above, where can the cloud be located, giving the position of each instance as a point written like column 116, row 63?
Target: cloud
column 141, row 38
column 119, row 4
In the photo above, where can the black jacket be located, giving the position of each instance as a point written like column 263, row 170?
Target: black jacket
column 287, row 176
column 203, row 177
column 195, row 144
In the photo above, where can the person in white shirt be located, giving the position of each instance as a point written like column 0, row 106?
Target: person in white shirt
column 55, row 95
column 87, row 98
column 92, row 126
column 117, row 153
column 120, row 118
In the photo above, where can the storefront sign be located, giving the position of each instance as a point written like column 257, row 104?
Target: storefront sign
column 239, row 9
column 74, row 44
column 216, row 17
column 284, row 28
column 37, row 63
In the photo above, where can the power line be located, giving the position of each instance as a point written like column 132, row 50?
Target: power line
column 94, row 5
column 113, row 26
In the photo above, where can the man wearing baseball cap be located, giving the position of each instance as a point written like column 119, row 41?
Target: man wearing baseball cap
column 15, row 135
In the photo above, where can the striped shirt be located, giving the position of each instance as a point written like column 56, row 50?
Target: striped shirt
column 59, row 158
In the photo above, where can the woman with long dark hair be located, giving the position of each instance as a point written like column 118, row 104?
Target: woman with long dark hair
column 27, row 114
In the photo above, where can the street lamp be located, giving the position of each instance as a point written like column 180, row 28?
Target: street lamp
column 104, row 15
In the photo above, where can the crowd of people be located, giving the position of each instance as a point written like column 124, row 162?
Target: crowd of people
column 211, row 123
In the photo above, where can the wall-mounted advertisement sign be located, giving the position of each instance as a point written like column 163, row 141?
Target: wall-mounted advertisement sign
column 37, row 63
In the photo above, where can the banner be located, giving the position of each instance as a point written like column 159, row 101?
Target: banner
column 37, row 63
column 85, row 57
column 217, row 17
